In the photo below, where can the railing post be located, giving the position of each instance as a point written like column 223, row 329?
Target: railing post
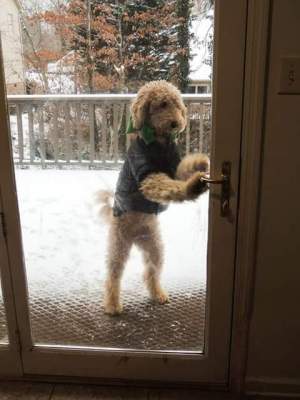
column 188, row 126
column 32, row 148
column 92, row 132
column 116, row 109
column 201, row 129
column 55, row 132
column 41, row 135
column 103, row 133
column 19, row 109
column 127, row 122
column 78, row 130
column 68, row 151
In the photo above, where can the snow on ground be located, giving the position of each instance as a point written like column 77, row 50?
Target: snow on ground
column 64, row 239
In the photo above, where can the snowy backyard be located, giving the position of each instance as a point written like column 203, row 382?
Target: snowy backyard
column 64, row 243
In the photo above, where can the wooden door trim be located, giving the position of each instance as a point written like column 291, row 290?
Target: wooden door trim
column 257, row 46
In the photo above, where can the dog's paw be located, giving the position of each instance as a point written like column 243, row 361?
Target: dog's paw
column 196, row 162
column 195, row 187
column 161, row 297
column 113, row 309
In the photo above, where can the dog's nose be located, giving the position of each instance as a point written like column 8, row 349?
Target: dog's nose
column 173, row 124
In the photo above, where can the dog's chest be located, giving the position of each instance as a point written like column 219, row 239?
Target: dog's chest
column 164, row 158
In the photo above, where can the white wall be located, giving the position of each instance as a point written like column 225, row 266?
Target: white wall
column 274, row 348
column 12, row 45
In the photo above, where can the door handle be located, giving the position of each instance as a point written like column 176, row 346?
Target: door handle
column 224, row 180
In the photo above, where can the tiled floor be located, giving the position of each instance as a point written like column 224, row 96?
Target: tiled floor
column 41, row 391
column 48, row 391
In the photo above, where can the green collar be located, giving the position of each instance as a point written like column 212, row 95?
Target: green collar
column 147, row 132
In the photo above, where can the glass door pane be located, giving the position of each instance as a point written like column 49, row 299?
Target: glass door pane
column 66, row 151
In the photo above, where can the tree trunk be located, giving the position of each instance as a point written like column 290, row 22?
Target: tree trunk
column 183, row 9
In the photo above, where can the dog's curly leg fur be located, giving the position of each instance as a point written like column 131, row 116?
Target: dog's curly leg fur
column 162, row 189
column 152, row 249
column 117, row 256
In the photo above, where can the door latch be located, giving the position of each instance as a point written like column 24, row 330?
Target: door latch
column 224, row 181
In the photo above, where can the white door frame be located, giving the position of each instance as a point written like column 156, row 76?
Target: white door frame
column 258, row 37
column 10, row 357
column 213, row 366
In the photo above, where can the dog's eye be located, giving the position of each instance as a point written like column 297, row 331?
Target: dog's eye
column 163, row 104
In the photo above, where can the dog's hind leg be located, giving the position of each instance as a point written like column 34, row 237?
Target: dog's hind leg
column 118, row 252
column 152, row 250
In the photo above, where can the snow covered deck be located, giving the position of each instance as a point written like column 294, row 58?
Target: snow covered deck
column 64, row 243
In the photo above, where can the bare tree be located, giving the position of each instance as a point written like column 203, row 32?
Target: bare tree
column 42, row 42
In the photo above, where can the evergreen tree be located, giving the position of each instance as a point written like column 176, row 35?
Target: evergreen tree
column 117, row 45
column 183, row 9
column 94, row 39
column 122, row 44
column 150, row 41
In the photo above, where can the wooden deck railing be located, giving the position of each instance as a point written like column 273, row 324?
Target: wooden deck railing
column 88, row 130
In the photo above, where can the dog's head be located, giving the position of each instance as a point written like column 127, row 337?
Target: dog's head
column 159, row 105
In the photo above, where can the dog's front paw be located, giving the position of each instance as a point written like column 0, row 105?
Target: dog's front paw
column 195, row 186
column 113, row 309
column 161, row 297
column 196, row 162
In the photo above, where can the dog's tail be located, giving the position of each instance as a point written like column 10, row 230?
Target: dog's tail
column 105, row 199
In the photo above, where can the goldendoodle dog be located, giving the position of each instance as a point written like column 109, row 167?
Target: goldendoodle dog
column 152, row 176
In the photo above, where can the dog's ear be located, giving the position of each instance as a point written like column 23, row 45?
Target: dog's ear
column 139, row 110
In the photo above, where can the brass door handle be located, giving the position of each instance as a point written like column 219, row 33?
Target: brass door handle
column 224, row 180
column 208, row 179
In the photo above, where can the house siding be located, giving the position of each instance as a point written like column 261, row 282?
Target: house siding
column 12, row 46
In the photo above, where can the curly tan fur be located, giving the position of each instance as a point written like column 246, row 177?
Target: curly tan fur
column 162, row 189
column 190, row 164
column 124, row 231
column 159, row 104
column 105, row 198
